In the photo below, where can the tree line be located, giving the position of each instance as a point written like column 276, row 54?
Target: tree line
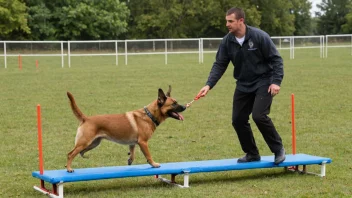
column 140, row 19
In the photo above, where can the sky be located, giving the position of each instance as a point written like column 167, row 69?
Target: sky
column 314, row 7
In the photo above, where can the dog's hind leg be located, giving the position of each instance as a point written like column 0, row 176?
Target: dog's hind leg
column 72, row 154
column 94, row 144
column 80, row 145
column 131, row 154
column 144, row 147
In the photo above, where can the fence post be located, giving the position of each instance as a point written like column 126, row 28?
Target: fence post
column 165, row 52
column 69, row 53
column 62, row 54
column 117, row 55
column 5, row 57
column 323, row 48
column 320, row 46
column 202, row 49
column 125, row 52
column 293, row 47
column 326, row 46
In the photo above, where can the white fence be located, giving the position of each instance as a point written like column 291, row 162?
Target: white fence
column 338, row 41
column 165, row 47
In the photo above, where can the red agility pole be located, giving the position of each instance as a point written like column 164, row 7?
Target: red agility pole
column 20, row 62
column 40, row 147
column 293, row 124
column 293, row 168
column 41, row 163
column 36, row 64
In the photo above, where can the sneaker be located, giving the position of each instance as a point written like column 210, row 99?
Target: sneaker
column 249, row 158
column 279, row 156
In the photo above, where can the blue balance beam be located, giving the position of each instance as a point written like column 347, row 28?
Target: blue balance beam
column 86, row 174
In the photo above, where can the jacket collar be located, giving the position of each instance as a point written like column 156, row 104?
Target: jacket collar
column 247, row 35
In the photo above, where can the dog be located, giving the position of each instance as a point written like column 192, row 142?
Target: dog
column 130, row 128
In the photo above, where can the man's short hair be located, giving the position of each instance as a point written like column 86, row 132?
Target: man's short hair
column 239, row 13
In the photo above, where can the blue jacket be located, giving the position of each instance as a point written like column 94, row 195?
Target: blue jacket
column 256, row 63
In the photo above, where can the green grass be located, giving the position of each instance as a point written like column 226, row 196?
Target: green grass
column 322, row 88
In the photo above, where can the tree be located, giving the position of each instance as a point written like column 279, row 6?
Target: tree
column 276, row 17
column 332, row 16
column 183, row 18
column 41, row 22
column 86, row 19
column 161, row 18
column 13, row 17
column 303, row 20
column 76, row 19
column 216, row 16
column 347, row 27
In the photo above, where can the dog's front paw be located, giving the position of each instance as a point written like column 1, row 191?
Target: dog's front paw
column 69, row 169
column 129, row 161
column 153, row 164
column 156, row 165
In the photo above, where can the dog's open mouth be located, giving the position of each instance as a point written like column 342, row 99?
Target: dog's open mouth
column 176, row 115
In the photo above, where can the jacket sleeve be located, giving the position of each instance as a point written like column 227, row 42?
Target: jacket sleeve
column 219, row 66
column 274, row 59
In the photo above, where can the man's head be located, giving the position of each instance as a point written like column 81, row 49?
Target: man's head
column 235, row 19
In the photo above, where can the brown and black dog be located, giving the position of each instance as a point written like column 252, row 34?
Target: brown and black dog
column 130, row 128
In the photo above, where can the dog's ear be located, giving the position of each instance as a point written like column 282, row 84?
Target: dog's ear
column 161, row 98
column 168, row 94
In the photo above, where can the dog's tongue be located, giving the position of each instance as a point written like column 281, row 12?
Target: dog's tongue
column 180, row 116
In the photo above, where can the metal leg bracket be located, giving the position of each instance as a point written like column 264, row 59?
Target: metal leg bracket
column 304, row 169
column 56, row 192
column 173, row 182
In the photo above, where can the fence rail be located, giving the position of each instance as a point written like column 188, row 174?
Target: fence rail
column 166, row 47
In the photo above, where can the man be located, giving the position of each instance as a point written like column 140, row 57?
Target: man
column 258, row 69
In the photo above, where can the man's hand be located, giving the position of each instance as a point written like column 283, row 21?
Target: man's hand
column 274, row 89
column 203, row 92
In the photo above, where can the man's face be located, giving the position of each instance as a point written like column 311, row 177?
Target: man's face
column 233, row 24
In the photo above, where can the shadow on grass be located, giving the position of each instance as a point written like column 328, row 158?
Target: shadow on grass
column 126, row 185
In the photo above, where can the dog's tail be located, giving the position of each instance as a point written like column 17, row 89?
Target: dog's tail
column 78, row 113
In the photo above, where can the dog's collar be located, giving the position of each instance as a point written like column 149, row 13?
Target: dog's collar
column 151, row 116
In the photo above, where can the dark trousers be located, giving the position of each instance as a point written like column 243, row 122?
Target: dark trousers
column 258, row 103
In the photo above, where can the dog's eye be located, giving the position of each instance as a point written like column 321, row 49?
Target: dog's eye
column 174, row 104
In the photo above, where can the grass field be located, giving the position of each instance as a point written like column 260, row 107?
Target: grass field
column 322, row 88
